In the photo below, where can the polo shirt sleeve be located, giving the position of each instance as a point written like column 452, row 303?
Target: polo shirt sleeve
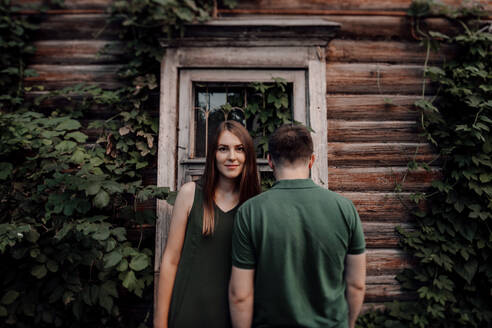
column 243, row 256
column 357, row 242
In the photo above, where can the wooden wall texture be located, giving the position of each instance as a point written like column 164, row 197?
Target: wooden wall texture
column 374, row 74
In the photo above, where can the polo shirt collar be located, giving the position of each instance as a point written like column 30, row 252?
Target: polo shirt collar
column 294, row 184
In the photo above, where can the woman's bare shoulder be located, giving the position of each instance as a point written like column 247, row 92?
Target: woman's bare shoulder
column 186, row 194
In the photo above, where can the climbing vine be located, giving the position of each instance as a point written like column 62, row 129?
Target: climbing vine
column 452, row 242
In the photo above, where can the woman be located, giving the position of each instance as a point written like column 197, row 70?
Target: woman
column 196, row 263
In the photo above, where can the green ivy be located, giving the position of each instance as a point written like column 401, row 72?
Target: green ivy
column 15, row 45
column 271, row 110
column 452, row 243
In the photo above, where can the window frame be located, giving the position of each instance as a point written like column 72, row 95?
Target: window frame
column 188, row 165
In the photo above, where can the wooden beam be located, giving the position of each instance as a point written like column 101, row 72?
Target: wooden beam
column 379, row 154
column 375, row 107
column 77, row 27
column 382, row 234
column 382, row 206
column 373, row 131
column 77, row 52
column 380, row 179
column 363, row 51
column 347, row 5
column 356, row 78
column 381, row 262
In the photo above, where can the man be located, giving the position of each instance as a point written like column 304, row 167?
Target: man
column 298, row 250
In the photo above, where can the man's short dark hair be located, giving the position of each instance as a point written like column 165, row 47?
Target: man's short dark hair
column 290, row 144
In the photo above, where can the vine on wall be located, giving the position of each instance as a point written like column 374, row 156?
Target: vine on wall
column 452, row 242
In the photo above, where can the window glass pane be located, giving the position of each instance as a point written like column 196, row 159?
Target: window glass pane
column 261, row 107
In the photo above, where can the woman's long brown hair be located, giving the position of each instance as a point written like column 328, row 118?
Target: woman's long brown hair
column 249, row 184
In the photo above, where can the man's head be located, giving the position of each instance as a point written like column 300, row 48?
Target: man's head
column 291, row 145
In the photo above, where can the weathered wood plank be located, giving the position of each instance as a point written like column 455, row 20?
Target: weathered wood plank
column 361, row 51
column 382, row 262
column 378, row 154
column 384, row 27
column 384, row 288
column 382, row 207
column 77, row 52
column 71, row 4
column 382, row 234
column 89, row 26
column 374, row 78
column 340, row 5
column 373, row 131
column 380, row 179
column 76, row 27
column 387, row 5
column 57, row 76
column 372, row 107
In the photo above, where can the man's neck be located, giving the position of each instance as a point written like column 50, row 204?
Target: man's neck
column 292, row 173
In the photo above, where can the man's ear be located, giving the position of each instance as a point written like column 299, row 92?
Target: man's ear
column 311, row 161
column 270, row 161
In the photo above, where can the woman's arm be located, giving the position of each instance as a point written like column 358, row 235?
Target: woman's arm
column 172, row 253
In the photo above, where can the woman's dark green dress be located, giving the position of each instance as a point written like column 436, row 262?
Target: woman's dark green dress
column 199, row 296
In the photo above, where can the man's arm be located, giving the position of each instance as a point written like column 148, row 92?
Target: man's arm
column 355, row 277
column 241, row 295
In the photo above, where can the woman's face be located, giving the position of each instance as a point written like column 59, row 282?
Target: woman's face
column 230, row 155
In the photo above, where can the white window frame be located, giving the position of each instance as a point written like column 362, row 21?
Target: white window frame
column 188, row 164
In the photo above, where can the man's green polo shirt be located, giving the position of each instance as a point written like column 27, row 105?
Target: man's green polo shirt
column 296, row 236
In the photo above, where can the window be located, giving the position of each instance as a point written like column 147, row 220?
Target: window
column 207, row 97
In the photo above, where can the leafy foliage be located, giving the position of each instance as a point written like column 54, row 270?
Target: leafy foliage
column 269, row 111
column 15, row 45
column 452, row 245
column 64, row 210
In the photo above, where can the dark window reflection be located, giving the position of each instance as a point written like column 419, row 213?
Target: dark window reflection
column 216, row 102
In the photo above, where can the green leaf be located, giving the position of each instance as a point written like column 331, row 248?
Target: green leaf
column 67, row 227
column 65, row 146
column 106, row 302
column 78, row 156
column 9, row 297
column 112, row 259
column 93, row 188
column 119, row 233
column 485, row 177
column 77, row 136
column 39, row 271
column 171, row 198
column 102, row 234
column 183, row 13
column 467, row 270
column 164, row 2
column 52, row 266
column 5, row 170
column 110, row 288
column 139, row 262
column 438, row 35
column 123, row 266
column 102, row 199
column 32, row 236
column 68, row 124
column 129, row 280
column 3, row 311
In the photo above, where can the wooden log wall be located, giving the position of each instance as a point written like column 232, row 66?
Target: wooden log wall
column 373, row 74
